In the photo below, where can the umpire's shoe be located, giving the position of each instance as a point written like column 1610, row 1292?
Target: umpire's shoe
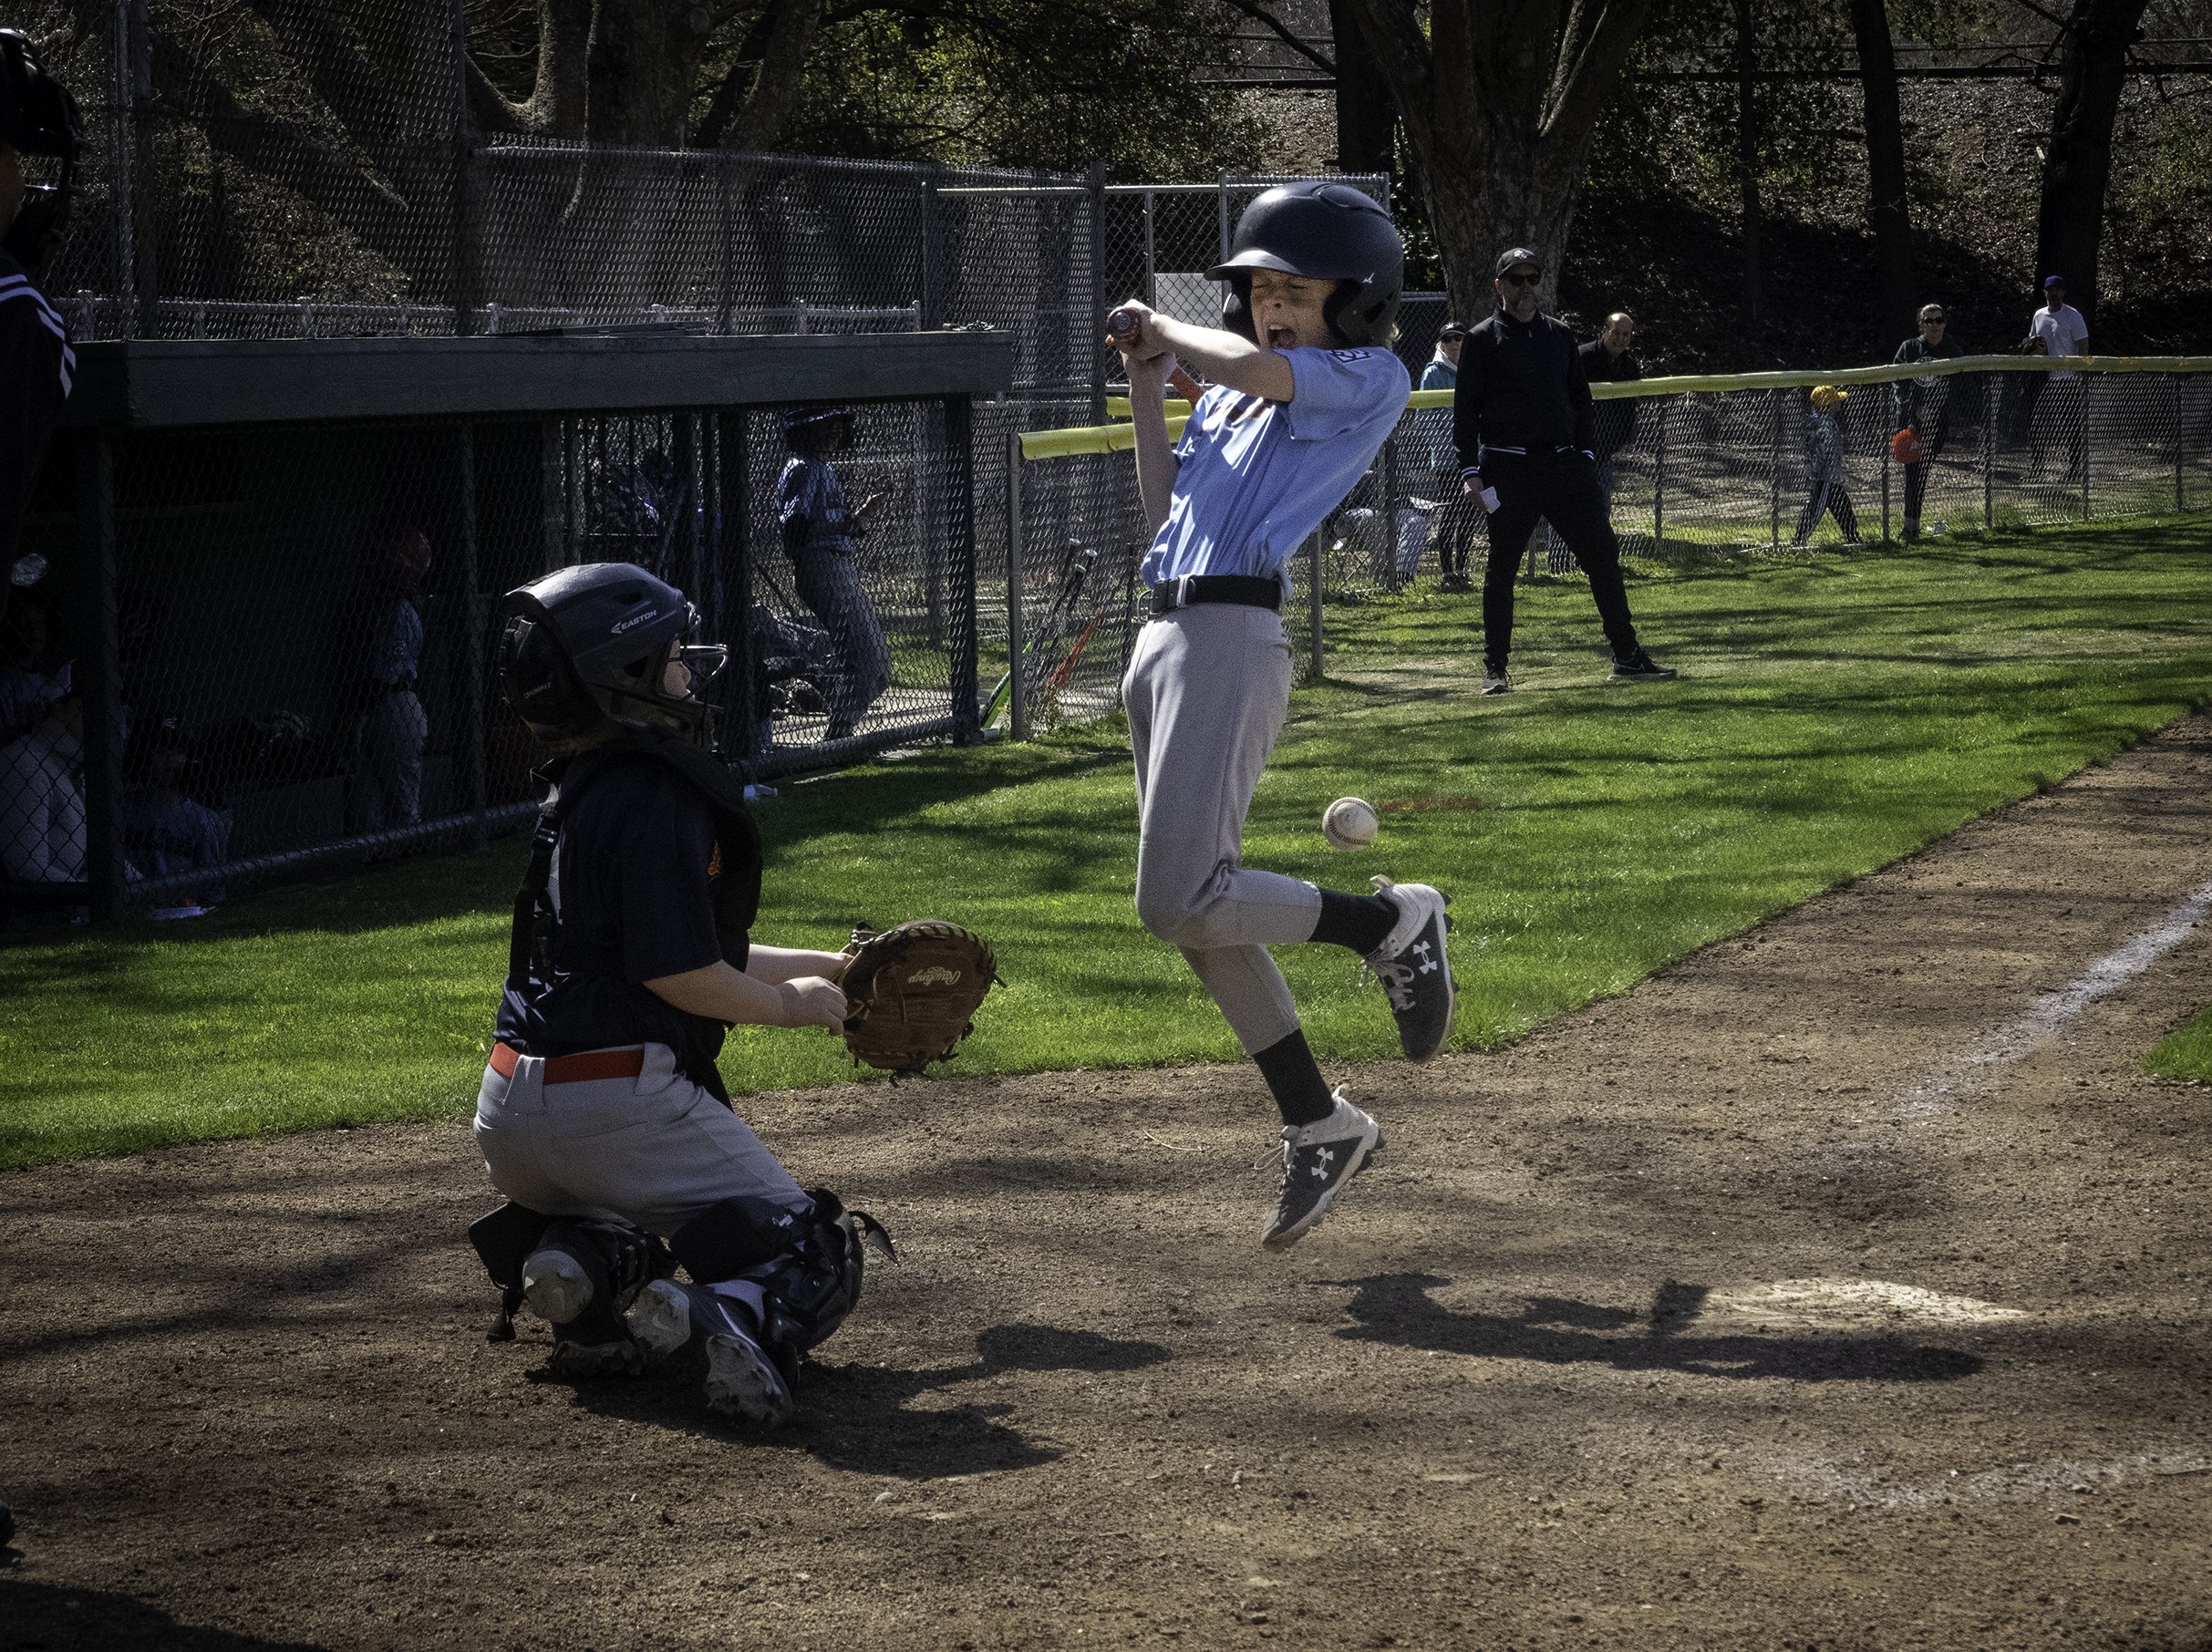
column 674, row 1320
column 1410, row 963
column 577, row 1280
column 1318, row 1159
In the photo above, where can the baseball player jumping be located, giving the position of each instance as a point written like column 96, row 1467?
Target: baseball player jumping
column 1305, row 390
column 603, row 1116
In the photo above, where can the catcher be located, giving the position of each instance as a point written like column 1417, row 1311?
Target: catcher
column 603, row 1117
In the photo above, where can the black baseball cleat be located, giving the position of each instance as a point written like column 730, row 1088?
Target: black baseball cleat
column 1318, row 1159
column 1416, row 976
column 1495, row 681
column 1640, row 668
column 675, row 1321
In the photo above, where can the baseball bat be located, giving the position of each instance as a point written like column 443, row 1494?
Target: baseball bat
column 1122, row 325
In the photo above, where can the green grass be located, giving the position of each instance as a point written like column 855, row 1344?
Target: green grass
column 2188, row 1054
column 1833, row 715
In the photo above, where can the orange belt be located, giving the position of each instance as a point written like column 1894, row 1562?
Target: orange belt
column 574, row 1069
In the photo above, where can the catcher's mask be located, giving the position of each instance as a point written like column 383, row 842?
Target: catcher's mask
column 38, row 117
column 1324, row 231
column 812, row 432
column 592, row 643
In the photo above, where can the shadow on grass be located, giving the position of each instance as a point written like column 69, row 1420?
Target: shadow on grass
column 863, row 1419
column 1396, row 1309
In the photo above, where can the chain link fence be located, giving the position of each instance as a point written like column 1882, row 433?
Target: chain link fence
column 1696, row 470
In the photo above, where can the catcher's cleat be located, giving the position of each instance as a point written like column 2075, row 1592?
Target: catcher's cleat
column 675, row 1321
column 1318, row 1159
column 1410, row 963
column 1496, row 682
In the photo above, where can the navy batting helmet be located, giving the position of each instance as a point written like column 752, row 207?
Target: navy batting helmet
column 38, row 115
column 592, row 643
column 1324, row 232
column 806, row 427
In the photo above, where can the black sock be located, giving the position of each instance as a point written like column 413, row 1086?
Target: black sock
column 1358, row 922
column 1301, row 1094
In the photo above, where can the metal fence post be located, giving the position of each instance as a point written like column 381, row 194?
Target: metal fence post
column 1313, row 598
column 959, row 438
column 1658, row 483
column 733, row 555
column 1152, row 255
column 475, row 781
column 1773, row 528
column 933, row 276
column 464, row 182
column 1395, row 577
column 1886, row 493
column 99, row 673
column 1094, row 324
column 2088, row 427
column 2175, row 379
column 1018, row 703
column 1991, row 405
column 134, row 142
column 1221, row 201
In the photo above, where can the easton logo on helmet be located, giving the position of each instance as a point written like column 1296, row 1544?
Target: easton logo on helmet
column 633, row 620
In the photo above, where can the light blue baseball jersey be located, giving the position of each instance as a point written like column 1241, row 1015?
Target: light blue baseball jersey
column 1257, row 476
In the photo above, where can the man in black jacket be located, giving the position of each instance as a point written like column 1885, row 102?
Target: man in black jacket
column 37, row 118
column 1527, row 449
column 1923, row 405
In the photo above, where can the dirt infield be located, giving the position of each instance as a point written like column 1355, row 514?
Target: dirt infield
column 1844, row 1287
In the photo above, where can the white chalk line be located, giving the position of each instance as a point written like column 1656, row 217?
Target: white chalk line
column 1806, row 1474
column 1978, row 1070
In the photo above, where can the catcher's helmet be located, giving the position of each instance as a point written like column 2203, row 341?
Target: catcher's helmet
column 38, row 115
column 1324, row 232
column 590, row 642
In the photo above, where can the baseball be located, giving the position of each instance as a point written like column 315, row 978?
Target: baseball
column 1349, row 824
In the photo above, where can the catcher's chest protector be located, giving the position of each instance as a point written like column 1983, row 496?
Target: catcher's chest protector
column 534, row 945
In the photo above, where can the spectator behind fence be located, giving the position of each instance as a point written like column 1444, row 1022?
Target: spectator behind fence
column 38, row 117
column 393, row 729
column 1607, row 360
column 31, row 680
column 819, row 531
column 1455, row 517
column 1527, row 448
column 2058, row 412
column 166, row 829
column 1922, row 406
column 1823, row 438
column 42, row 797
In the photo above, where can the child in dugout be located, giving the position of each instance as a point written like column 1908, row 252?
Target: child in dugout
column 1304, row 391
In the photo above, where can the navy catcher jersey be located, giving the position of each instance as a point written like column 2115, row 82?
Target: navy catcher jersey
column 37, row 367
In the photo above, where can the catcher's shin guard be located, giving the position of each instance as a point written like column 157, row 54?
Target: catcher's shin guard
column 503, row 1239
column 579, row 1278
column 809, row 1265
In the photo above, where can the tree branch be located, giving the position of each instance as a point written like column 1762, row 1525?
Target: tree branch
column 1400, row 49
column 1260, row 14
column 794, row 28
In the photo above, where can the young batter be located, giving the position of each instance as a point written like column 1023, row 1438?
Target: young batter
column 1304, row 391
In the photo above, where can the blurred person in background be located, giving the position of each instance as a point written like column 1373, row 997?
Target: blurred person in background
column 393, row 729
column 38, row 117
column 1455, row 517
column 1823, row 438
column 1923, row 405
column 1606, row 359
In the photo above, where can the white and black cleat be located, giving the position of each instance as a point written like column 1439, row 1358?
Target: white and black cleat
column 671, row 1320
column 1318, row 1159
column 1415, row 974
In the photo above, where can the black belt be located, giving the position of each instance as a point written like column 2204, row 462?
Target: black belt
column 1240, row 588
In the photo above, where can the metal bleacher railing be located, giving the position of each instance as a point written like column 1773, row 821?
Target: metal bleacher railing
column 1697, row 467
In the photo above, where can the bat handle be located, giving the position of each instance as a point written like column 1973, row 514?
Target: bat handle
column 1121, row 325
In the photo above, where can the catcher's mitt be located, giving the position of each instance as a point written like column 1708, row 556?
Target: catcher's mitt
column 912, row 992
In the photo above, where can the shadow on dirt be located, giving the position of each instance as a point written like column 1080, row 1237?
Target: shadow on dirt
column 862, row 1418
column 45, row 1617
column 1396, row 1309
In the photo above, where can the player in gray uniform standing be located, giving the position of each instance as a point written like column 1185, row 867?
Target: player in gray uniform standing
column 1304, row 391
column 819, row 531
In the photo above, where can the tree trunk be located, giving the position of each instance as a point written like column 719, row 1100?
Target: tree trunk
column 2077, row 163
column 1747, row 173
column 793, row 27
column 1889, row 210
column 1499, row 104
column 644, row 63
column 1367, row 120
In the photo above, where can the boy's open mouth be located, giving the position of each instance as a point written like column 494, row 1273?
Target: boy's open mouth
column 1282, row 338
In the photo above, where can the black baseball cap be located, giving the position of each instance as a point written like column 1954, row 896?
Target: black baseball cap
column 1452, row 329
column 1513, row 256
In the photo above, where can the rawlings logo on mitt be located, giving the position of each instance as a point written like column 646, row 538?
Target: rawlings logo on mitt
column 912, row 992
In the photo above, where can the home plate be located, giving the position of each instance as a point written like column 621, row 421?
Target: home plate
column 1849, row 1305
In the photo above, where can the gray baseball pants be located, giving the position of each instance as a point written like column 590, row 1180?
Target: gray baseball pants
column 1207, row 690
column 656, row 1150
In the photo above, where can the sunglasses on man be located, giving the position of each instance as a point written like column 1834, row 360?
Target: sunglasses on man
column 1521, row 278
